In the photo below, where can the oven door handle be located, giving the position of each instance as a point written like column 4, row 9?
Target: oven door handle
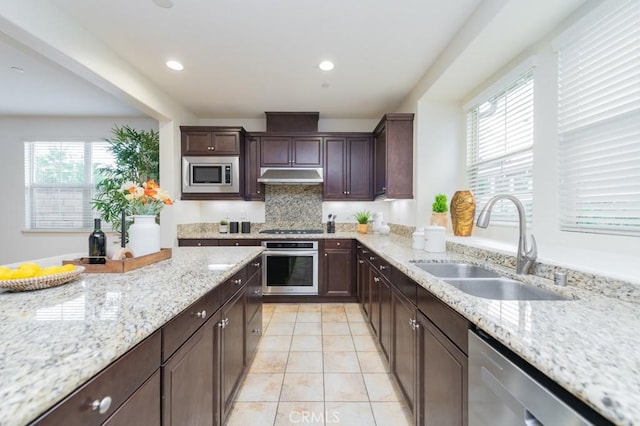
column 290, row 253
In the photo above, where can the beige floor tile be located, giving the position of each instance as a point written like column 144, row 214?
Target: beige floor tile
column 344, row 387
column 310, row 307
column 391, row 413
column 306, row 343
column 333, row 308
column 359, row 329
column 261, row 387
column 268, row 307
column 309, row 317
column 355, row 317
column 269, row 362
column 279, row 329
column 275, row 343
column 266, row 318
column 341, row 362
column 307, row 329
column 335, row 329
column 286, row 307
column 372, row 362
column 334, row 317
column 349, row 413
column 300, row 413
column 305, row 362
column 337, row 344
column 365, row 343
column 302, row 387
column 284, row 317
column 253, row 413
column 381, row 387
column 352, row 307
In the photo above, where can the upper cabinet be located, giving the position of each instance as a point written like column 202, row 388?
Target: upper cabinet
column 291, row 151
column 393, row 156
column 201, row 140
column 253, row 190
column 348, row 168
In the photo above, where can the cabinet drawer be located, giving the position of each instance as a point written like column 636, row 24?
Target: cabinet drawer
column 254, row 332
column 142, row 409
column 196, row 242
column 451, row 323
column 336, row 244
column 406, row 285
column 183, row 325
column 254, row 267
column 232, row 285
column 382, row 266
column 118, row 382
column 238, row 242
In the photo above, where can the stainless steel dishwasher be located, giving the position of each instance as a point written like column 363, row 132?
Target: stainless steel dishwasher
column 503, row 394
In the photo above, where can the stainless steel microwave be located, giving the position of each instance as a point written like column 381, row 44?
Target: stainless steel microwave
column 210, row 174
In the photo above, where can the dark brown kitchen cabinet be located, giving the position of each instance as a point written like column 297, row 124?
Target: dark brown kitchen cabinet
column 337, row 268
column 239, row 242
column 348, row 168
column 442, row 378
column 364, row 286
column 383, row 311
column 253, row 190
column 254, row 308
column 205, row 140
column 145, row 400
column 232, row 355
column 393, row 156
column 404, row 346
column 291, row 151
column 197, row 242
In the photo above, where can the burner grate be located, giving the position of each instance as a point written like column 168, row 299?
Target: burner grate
column 292, row 231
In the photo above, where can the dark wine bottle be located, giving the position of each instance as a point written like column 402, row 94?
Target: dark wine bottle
column 97, row 244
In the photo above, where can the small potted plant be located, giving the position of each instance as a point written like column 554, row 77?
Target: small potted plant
column 224, row 226
column 439, row 211
column 363, row 219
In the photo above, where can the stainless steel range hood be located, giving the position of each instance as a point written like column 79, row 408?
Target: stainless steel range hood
column 290, row 176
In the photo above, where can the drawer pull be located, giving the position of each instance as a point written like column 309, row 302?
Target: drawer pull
column 238, row 281
column 256, row 331
column 202, row 314
column 337, row 244
column 360, row 261
column 223, row 323
column 199, row 244
column 376, row 279
column 365, row 251
column 101, row 406
column 256, row 291
column 382, row 267
column 237, row 244
column 257, row 264
column 372, row 258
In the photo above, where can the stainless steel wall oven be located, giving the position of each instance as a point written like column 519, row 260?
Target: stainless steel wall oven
column 290, row 267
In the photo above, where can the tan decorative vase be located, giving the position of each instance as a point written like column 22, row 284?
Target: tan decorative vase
column 439, row 219
column 463, row 210
column 362, row 228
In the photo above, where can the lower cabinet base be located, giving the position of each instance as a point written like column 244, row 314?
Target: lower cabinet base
column 283, row 298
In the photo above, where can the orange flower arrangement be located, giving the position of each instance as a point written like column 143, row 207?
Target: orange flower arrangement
column 147, row 199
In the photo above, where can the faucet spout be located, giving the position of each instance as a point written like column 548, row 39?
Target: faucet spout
column 526, row 255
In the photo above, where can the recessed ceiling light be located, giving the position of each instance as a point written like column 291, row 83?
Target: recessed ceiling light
column 175, row 65
column 17, row 69
column 167, row 4
column 326, row 65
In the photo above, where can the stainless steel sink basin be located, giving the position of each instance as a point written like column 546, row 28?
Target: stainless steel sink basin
column 503, row 289
column 456, row 270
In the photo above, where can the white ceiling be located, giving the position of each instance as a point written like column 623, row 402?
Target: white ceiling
column 244, row 57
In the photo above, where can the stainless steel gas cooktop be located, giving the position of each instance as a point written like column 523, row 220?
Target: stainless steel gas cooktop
column 291, row 231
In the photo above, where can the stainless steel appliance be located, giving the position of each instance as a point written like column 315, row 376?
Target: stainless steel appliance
column 503, row 394
column 210, row 174
column 290, row 267
column 291, row 231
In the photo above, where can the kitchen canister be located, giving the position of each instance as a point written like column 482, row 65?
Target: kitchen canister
column 434, row 239
column 144, row 235
column 418, row 239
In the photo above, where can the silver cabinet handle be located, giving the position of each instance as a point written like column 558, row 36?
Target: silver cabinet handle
column 238, row 281
column 101, row 406
column 199, row 244
column 223, row 323
column 237, row 244
column 256, row 331
column 202, row 314
column 257, row 264
column 372, row 258
column 337, row 244
column 258, row 191
column 256, row 291
column 376, row 279
column 382, row 267
column 360, row 261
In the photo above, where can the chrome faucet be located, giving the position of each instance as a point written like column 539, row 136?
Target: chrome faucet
column 525, row 257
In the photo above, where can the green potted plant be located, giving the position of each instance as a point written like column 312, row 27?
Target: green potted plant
column 363, row 219
column 439, row 211
column 223, row 227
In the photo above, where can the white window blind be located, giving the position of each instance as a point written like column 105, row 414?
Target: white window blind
column 599, row 121
column 500, row 146
column 60, row 180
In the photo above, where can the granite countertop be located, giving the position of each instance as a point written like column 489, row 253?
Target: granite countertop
column 54, row 340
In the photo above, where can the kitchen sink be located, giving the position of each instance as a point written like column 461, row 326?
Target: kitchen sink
column 503, row 289
column 456, row 270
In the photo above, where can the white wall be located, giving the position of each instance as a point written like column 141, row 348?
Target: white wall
column 15, row 244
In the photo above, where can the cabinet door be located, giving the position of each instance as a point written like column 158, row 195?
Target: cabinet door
column 225, row 143
column 142, row 409
column 384, row 294
column 442, row 378
column 337, row 273
column 380, row 164
column 306, row 152
column 188, row 380
column 195, row 142
column 364, row 286
column 275, row 151
column 374, row 297
column 404, row 348
column 334, row 186
column 232, row 355
column 253, row 189
column 358, row 169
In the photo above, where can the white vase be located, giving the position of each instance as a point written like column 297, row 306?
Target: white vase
column 144, row 235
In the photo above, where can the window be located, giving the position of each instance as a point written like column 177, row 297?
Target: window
column 599, row 121
column 60, row 180
column 500, row 144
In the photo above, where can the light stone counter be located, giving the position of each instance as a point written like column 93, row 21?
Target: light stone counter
column 54, row 340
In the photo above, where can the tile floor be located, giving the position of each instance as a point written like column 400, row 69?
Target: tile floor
column 317, row 364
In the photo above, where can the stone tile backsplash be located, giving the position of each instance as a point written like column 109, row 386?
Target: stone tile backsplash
column 293, row 206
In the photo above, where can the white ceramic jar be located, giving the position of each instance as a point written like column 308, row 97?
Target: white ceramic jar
column 418, row 239
column 434, row 239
